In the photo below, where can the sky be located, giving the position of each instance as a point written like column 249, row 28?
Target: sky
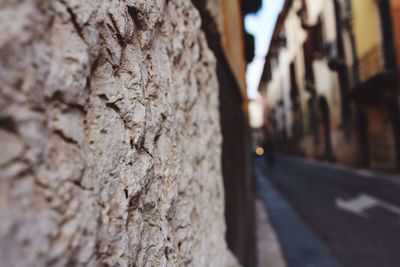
column 261, row 25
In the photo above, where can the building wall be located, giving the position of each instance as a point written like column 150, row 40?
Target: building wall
column 326, row 82
column 395, row 4
column 347, row 108
column 368, row 37
column 381, row 140
column 110, row 135
column 315, row 8
column 370, row 52
column 229, row 23
column 326, row 85
column 232, row 40
column 236, row 168
column 366, row 25
column 272, row 90
column 278, row 89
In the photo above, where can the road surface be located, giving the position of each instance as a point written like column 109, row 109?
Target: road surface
column 354, row 213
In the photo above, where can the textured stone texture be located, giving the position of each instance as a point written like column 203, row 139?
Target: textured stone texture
column 109, row 134
column 236, row 164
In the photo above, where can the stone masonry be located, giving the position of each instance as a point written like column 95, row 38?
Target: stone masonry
column 110, row 142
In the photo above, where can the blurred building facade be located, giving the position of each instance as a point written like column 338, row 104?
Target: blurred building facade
column 330, row 81
column 222, row 21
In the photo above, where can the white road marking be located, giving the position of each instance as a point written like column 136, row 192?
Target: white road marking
column 364, row 173
column 360, row 204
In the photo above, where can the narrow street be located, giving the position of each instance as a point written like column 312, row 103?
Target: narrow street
column 354, row 214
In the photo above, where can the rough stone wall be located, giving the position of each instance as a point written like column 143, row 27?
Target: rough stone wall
column 236, row 158
column 109, row 136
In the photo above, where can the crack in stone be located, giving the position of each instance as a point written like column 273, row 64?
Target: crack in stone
column 67, row 139
column 74, row 21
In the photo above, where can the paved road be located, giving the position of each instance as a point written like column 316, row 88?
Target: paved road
column 355, row 213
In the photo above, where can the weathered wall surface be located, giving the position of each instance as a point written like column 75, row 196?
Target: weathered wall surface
column 109, row 135
column 236, row 165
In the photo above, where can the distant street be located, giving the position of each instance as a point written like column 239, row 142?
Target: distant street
column 356, row 214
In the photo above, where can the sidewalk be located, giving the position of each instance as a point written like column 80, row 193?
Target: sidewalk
column 269, row 252
column 301, row 246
